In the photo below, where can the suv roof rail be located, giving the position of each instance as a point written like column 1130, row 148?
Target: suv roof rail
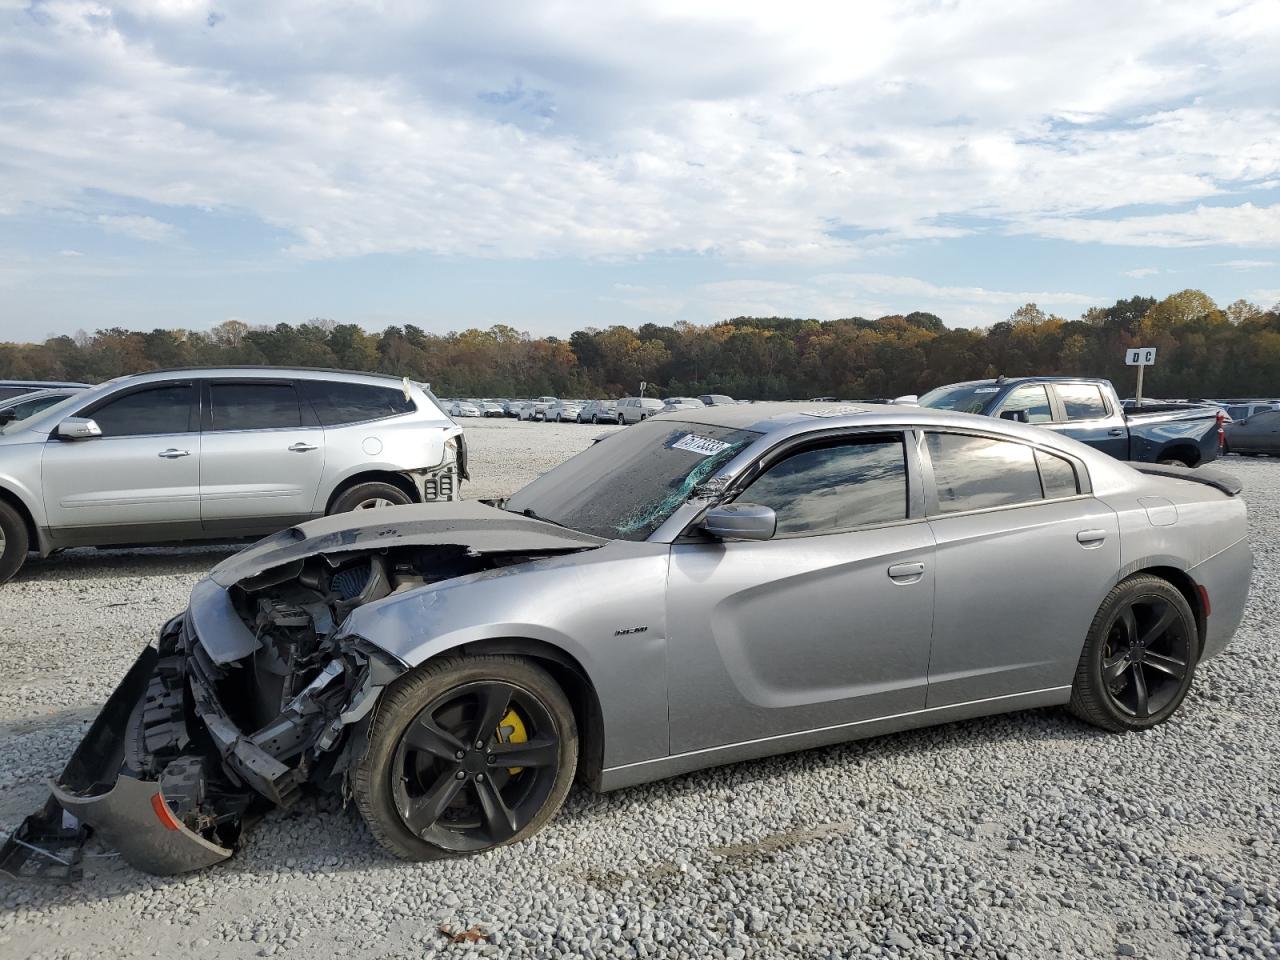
column 291, row 367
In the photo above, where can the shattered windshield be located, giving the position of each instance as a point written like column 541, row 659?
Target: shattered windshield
column 626, row 485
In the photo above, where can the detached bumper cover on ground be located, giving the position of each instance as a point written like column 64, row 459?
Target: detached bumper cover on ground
column 166, row 778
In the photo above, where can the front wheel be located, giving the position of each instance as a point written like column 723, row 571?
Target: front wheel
column 466, row 754
column 1139, row 657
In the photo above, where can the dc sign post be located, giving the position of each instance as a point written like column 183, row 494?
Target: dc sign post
column 1140, row 357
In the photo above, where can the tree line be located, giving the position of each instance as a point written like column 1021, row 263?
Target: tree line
column 1204, row 351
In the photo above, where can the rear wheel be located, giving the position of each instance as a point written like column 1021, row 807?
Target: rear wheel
column 464, row 755
column 13, row 541
column 369, row 496
column 1139, row 657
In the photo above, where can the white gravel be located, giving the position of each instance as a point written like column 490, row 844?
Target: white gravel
column 1028, row 835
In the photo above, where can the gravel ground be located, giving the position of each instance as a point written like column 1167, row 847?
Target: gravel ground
column 1026, row 835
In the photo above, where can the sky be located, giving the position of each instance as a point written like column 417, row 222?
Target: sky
column 555, row 165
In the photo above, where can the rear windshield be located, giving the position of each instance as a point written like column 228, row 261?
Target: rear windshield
column 961, row 397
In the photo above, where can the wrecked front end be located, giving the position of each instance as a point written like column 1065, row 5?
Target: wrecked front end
column 252, row 697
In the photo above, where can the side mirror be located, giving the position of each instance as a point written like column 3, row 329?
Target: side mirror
column 7, row 416
column 741, row 521
column 78, row 428
column 1017, row 416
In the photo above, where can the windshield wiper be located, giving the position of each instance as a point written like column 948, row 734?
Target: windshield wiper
column 533, row 515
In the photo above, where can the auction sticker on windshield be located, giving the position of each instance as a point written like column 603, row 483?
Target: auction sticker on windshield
column 700, row 445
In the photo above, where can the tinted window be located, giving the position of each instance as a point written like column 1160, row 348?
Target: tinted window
column 254, row 406
column 164, row 409
column 337, row 403
column 1237, row 413
column 7, row 392
column 1032, row 400
column 1081, row 401
column 835, row 487
column 973, row 472
column 1057, row 475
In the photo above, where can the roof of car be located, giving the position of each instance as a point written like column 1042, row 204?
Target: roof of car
column 255, row 371
column 50, row 384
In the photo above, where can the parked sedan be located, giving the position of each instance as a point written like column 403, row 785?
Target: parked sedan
column 218, row 454
column 792, row 578
column 716, row 400
column 490, row 408
column 16, row 388
column 1255, row 435
column 463, row 408
column 599, row 411
column 28, row 404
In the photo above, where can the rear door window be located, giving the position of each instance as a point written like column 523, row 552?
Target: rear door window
column 253, row 406
column 156, row 410
column 974, row 473
column 1057, row 476
column 1081, row 401
column 835, row 487
column 338, row 403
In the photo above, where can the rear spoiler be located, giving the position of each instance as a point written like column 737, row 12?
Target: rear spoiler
column 1228, row 484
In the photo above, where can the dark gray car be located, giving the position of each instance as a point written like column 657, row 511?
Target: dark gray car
column 785, row 576
column 1255, row 435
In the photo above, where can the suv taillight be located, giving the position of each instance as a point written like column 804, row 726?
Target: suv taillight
column 1222, row 433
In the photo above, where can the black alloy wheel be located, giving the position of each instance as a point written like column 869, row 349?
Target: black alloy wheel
column 1140, row 657
column 464, row 782
column 1147, row 656
column 466, row 754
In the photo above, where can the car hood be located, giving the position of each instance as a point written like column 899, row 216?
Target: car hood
column 481, row 528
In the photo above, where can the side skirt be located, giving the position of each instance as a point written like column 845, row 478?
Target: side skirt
column 627, row 775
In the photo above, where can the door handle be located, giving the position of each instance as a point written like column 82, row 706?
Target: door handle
column 1116, row 432
column 1091, row 538
column 302, row 447
column 906, row 572
column 172, row 454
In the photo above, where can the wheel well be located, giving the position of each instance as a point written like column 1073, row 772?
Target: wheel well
column 1187, row 453
column 374, row 476
column 33, row 537
column 1187, row 587
column 573, row 680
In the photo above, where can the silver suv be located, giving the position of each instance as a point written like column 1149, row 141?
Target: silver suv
column 217, row 454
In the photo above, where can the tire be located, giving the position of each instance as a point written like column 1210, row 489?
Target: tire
column 1149, row 673
column 394, row 775
column 14, row 542
column 365, row 496
column 595, row 421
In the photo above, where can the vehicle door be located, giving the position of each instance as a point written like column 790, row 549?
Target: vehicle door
column 1259, row 433
column 263, row 454
column 1025, row 556
column 1083, row 412
column 139, row 480
column 826, row 624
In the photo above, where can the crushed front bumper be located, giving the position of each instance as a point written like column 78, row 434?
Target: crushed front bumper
column 165, row 777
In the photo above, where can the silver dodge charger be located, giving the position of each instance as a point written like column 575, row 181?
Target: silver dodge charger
column 786, row 576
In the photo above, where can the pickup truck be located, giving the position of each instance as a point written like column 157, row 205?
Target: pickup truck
column 1088, row 410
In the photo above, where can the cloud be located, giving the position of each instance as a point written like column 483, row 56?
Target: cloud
column 748, row 131
column 70, row 253
column 1245, row 264
column 1244, row 226
column 137, row 227
column 1268, row 298
column 1141, row 272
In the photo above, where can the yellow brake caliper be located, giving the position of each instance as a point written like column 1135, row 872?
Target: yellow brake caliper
column 511, row 729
